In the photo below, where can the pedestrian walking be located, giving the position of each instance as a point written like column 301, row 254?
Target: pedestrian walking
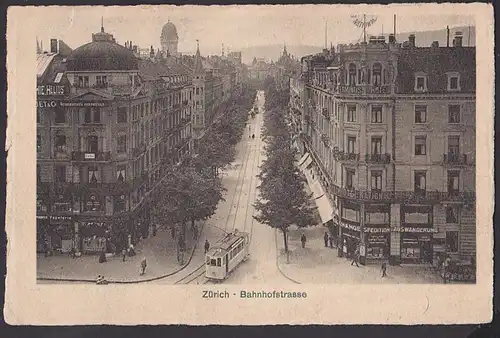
column 355, row 257
column 124, row 254
column 253, row 136
column 330, row 240
column 384, row 270
column 303, row 240
column 325, row 238
column 72, row 252
column 144, row 264
column 154, row 229
column 207, row 246
column 102, row 257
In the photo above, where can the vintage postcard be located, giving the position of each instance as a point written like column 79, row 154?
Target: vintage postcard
column 299, row 164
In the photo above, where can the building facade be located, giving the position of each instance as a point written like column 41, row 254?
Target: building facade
column 387, row 133
column 103, row 145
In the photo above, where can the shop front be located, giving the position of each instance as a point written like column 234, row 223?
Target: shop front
column 94, row 236
column 377, row 242
column 55, row 233
column 350, row 238
column 416, row 245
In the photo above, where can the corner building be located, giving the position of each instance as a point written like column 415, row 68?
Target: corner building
column 102, row 148
column 388, row 132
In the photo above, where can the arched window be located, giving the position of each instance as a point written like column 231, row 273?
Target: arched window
column 377, row 74
column 352, row 74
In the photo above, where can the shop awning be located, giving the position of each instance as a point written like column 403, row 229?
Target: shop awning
column 325, row 209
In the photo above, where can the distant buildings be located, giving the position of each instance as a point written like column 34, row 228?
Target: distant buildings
column 387, row 133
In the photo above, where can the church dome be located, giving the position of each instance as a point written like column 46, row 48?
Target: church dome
column 101, row 55
column 169, row 32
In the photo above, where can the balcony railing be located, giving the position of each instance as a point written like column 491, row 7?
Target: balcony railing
column 91, row 156
column 404, row 196
column 452, row 158
column 378, row 158
column 342, row 156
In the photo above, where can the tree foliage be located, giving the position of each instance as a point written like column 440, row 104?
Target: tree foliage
column 283, row 201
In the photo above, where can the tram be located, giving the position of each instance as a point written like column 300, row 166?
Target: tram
column 224, row 258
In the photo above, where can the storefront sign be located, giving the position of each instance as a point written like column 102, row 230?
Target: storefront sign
column 350, row 226
column 93, row 224
column 350, row 90
column 83, row 104
column 89, row 156
column 377, row 239
column 46, row 104
column 50, row 90
column 414, row 230
column 376, row 230
column 55, row 218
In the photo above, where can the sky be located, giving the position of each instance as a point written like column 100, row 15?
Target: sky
column 235, row 26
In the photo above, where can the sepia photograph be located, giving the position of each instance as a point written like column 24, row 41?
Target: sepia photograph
column 203, row 146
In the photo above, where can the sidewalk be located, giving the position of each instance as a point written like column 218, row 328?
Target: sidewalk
column 316, row 264
column 160, row 252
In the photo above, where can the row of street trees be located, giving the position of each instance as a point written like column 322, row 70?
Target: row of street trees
column 283, row 200
column 191, row 192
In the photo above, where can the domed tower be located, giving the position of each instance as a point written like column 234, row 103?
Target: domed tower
column 169, row 39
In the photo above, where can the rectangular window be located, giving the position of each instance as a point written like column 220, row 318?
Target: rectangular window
column 420, row 83
column 60, row 173
column 92, row 144
column 351, row 144
column 38, row 116
column 452, row 241
column 92, row 115
column 83, row 81
column 122, row 115
column 454, row 113
column 119, row 203
column 38, row 143
column 121, row 142
column 376, row 145
column 420, row 113
column 453, row 83
column 93, row 174
column 376, row 114
column 451, row 214
column 376, row 181
column 121, row 173
column 420, row 145
column 453, row 181
column 351, row 113
column 60, row 144
column 60, row 116
column 102, row 81
column 453, row 145
column 349, row 182
column 419, row 181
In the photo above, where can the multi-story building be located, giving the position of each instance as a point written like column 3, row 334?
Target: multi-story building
column 388, row 133
column 102, row 143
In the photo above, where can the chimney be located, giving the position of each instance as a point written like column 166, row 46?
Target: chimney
column 435, row 44
column 457, row 42
column 392, row 38
column 53, row 46
column 447, row 36
column 411, row 40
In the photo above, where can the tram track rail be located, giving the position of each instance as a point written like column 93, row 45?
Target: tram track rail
column 239, row 182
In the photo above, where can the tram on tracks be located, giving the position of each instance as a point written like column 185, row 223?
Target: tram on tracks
column 225, row 257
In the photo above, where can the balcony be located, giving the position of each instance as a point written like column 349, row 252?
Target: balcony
column 346, row 157
column 432, row 197
column 90, row 156
column 378, row 158
column 454, row 159
column 325, row 114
